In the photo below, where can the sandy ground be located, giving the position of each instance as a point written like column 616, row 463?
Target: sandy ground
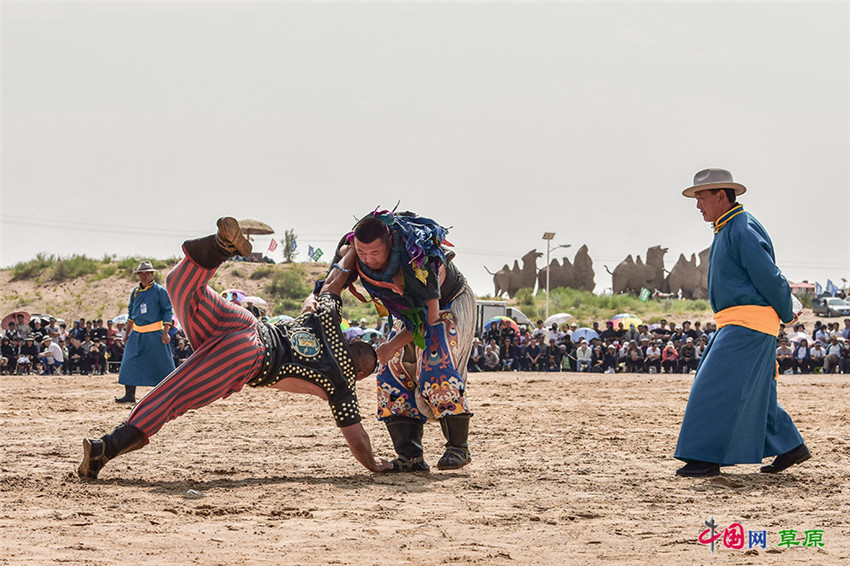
column 568, row 469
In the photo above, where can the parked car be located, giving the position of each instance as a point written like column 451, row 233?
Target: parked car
column 830, row 306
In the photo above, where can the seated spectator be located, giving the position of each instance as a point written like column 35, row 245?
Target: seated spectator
column 634, row 358
column 688, row 356
column 52, row 330
column 631, row 334
column 115, row 351
column 785, row 358
column 505, row 353
column 63, row 345
column 182, row 351
column 8, row 356
column 23, row 329
column 670, row 358
column 51, row 356
column 491, row 359
column 584, row 356
column 688, row 331
column 832, row 355
column 553, row 356
column 535, row 353
column 28, row 355
column 11, row 331
column 662, row 332
column 539, row 331
column 844, row 363
column 653, row 357
column 817, row 354
column 476, row 356
column 802, row 357
column 75, row 355
column 604, row 362
column 609, row 334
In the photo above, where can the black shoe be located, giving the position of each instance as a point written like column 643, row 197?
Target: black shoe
column 456, row 430
column 125, row 399
column 406, row 434
column 784, row 461
column 697, row 469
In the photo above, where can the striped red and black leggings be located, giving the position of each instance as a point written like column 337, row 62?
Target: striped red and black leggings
column 228, row 350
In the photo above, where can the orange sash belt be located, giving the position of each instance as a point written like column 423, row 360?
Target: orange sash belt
column 755, row 317
column 154, row 326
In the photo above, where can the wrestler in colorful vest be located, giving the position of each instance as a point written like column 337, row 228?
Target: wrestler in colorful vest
column 403, row 265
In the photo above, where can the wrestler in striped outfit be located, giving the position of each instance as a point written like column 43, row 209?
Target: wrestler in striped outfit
column 232, row 348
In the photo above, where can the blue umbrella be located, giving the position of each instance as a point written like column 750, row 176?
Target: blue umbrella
column 584, row 334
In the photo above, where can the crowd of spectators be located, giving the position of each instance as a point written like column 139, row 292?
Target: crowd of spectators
column 49, row 347
column 668, row 348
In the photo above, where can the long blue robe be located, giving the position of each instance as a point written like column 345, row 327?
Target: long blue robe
column 146, row 359
column 732, row 416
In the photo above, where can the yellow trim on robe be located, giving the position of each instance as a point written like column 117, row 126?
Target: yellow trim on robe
column 727, row 216
column 755, row 317
column 154, row 326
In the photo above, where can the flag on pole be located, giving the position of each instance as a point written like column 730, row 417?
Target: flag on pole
column 644, row 294
column 294, row 245
column 831, row 288
column 818, row 289
column 317, row 254
column 273, row 245
column 310, row 252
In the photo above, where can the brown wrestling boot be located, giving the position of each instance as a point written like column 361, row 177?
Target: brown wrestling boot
column 211, row 251
column 97, row 452
column 456, row 430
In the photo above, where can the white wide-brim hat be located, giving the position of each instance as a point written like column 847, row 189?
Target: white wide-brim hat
column 145, row 266
column 713, row 179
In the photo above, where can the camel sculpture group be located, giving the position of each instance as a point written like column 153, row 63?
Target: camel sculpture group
column 577, row 274
column 629, row 276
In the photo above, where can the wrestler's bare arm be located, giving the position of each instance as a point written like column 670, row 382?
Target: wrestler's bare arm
column 361, row 448
column 336, row 280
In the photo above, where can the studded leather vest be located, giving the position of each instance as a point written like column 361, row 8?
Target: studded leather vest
column 312, row 348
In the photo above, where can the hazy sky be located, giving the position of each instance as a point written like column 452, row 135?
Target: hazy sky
column 128, row 127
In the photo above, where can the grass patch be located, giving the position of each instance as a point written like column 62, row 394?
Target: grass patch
column 262, row 273
column 289, row 283
column 587, row 307
column 32, row 268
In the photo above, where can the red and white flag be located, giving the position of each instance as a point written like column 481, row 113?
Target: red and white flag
column 273, row 245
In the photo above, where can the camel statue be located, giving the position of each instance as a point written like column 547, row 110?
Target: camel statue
column 578, row 275
column 690, row 278
column 583, row 271
column 512, row 280
column 527, row 277
column 630, row 276
column 501, row 279
column 560, row 274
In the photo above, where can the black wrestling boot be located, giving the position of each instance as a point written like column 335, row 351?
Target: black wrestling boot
column 97, row 452
column 698, row 469
column 211, row 251
column 784, row 461
column 406, row 434
column 129, row 395
column 456, row 430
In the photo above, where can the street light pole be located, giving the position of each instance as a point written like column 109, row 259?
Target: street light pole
column 549, row 236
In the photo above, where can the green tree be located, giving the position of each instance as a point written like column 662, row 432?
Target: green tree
column 289, row 252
